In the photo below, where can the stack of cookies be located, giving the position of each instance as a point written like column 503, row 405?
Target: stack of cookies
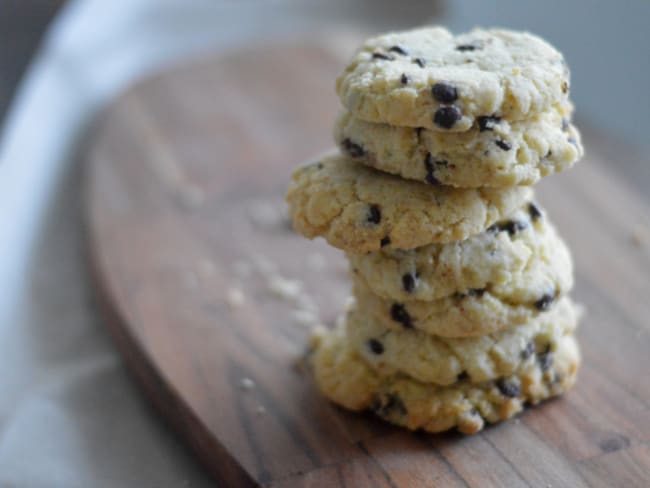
column 461, row 313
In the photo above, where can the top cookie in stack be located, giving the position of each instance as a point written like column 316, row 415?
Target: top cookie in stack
column 485, row 109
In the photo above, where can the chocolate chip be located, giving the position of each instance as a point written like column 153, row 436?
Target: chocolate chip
column 319, row 165
column 398, row 50
column 508, row 388
column 503, row 144
column 565, row 124
column 374, row 214
column 399, row 314
column 487, row 122
column 614, row 444
column 385, row 241
column 419, row 61
column 476, row 292
column 572, row 141
column 565, row 87
column 511, row 226
column 404, row 79
column 534, row 212
column 467, row 47
column 544, row 303
column 352, row 148
column 446, row 117
column 528, row 350
column 429, row 166
column 386, row 57
column 548, row 154
column 409, row 282
column 375, row 346
column 545, row 360
column 384, row 405
column 462, row 376
column 444, row 93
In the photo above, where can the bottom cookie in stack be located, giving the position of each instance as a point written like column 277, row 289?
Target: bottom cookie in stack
column 353, row 382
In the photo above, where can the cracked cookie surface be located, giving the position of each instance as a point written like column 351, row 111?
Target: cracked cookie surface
column 359, row 209
column 521, row 257
column 444, row 361
column 347, row 380
column 506, row 154
column 430, row 78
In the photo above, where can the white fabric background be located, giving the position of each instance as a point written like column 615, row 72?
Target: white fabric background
column 69, row 414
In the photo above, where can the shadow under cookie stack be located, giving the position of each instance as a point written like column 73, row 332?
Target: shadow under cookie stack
column 461, row 313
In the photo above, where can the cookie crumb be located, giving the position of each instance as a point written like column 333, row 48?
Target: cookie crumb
column 305, row 318
column 246, row 384
column 267, row 214
column 307, row 303
column 640, row 236
column 260, row 410
column 350, row 302
column 235, row 297
column 284, row 288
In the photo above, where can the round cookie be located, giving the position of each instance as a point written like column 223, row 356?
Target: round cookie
column 429, row 78
column 443, row 361
column 522, row 251
column 503, row 154
column 471, row 313
column 359, row 209
column 347, row 380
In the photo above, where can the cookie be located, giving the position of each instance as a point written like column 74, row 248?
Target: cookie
column 470, row 313
column 429, row 78
column 347, row 380
column 443, row 361
column 359, row 209
column 505, row 154
column 521, row 252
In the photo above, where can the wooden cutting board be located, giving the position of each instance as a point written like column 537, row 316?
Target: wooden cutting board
column 185, row 184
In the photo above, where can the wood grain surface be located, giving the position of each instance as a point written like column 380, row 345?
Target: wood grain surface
column 185, row 184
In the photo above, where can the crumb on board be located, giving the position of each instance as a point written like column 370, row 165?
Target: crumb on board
column 268, row 214
column 235, row 297
column 283, row 287
column 350, row 302
column 260, row 410
column 246, row 384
